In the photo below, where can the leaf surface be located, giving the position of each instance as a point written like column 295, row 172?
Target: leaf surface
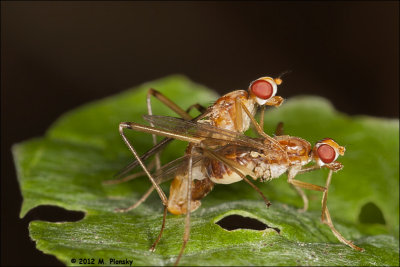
column 83, row 148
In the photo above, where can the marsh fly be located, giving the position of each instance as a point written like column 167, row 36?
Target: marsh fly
column 227, row 113
column 221, row 156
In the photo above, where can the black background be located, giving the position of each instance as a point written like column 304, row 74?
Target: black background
column 56, row 56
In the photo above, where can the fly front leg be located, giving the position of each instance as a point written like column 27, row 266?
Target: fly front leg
column 325, row 217
column 298, row 185
column 262, row 111
column 238, row 117
column 259, row 130
column 328, row 221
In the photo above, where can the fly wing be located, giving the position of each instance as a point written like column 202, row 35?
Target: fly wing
column 153, row 150
column 202, row 130
column 169, row 170
column 211, row 134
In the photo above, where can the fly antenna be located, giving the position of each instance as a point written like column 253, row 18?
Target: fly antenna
column 278, row 80
column 284, row 73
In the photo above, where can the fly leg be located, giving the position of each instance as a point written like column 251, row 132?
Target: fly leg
column 155, row 185
column 325, row 217
column 170, row 104
column 259, row 130
column 300, row 191
column 278, row 132
column 179, row 111
column 267, row 202
column 197, row 106
column 153, row 247
column 262, row 110
column 137, row 203
column 151, row 165
column 157, row 146
column 238, row 117
column 129, row 177
column 303, row 197
column 328, row 222
column 150, row 130
column 275, row 101
column 279, row 129
column 124, row 125
column 240, row 170
column 186, row 233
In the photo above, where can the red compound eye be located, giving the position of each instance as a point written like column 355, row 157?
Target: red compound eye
column 262, row 89
column 326, row 153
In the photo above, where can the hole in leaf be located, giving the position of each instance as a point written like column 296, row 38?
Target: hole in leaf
column 54, row 214
column 371, row 213
column 233, row 222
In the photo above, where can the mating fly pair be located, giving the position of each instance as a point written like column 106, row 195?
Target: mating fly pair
column 218, row 152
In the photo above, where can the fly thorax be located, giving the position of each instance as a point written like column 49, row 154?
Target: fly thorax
column 224, row 114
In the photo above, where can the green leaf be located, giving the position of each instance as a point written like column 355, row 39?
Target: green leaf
column 83, row 148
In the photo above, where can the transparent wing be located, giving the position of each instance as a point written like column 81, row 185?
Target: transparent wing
column 180, row 165
column 153, row 150
column 198, row 129
column 212, row 135
column 169, row 170
column 144, row 157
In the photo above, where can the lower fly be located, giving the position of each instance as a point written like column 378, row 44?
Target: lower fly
column 221, row 156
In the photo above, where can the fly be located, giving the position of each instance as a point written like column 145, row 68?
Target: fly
column 216, row 155
column 229, row 112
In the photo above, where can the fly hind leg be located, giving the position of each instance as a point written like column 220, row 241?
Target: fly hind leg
column 160, row 192
column 137, row 203
column 155, row 163
column 186, row 233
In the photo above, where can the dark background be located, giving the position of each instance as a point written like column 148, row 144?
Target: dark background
column 56, row 56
